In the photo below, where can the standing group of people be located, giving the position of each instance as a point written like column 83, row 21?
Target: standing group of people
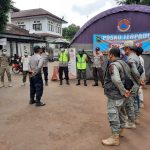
column 122, row 81
column 32, row 65
column 81, row 65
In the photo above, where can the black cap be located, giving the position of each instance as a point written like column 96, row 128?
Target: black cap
column 97, row 48
column 138, row 50
column 36, row 49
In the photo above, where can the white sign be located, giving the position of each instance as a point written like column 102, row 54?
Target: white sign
column 72, row 63
column 3, row 41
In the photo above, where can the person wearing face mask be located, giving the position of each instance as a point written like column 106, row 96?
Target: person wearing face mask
column 81, row 66
column 25, row 62
column 4, row 67
column 97, row 67
column 63, row 65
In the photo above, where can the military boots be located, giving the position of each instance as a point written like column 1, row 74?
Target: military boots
column 78, row 83
column 112, row 140
column 85, row 84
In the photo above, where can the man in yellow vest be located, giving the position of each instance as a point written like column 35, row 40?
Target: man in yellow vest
column 81, row 66
column 63, row 65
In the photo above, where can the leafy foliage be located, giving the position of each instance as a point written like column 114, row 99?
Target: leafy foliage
column 5, row 6
column 70, row 31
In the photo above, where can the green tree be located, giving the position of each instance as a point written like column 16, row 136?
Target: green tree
column 142, row 2
column 70, row 31
column 5, row 6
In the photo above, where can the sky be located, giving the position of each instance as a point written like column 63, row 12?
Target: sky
column 73, row 11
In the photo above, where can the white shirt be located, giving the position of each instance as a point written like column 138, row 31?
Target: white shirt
column 25, row 61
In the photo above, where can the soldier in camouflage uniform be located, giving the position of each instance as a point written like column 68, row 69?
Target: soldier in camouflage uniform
column 4, row 67
column 116, row 93
column 131, row 106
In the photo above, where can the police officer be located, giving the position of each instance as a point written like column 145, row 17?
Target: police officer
column 63, row 57
column 45, row 65
column 133, row 62
column 36, row 82
column 97, row 67
column 4, row 67
column 81, row 66
column 116, row 93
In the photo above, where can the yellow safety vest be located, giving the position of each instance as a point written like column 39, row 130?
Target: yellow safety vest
column 81, row 62
column 63, row 57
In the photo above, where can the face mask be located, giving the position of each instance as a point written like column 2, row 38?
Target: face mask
column 81, row 54
column 4, row 53
column 97, row 52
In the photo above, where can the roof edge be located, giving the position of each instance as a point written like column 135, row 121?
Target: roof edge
column 138, row 8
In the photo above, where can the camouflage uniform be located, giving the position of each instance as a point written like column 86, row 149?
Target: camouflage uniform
column 4, row 66
column 114, row 90
column 132, row 103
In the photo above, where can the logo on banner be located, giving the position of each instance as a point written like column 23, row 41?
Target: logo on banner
column 124, row 25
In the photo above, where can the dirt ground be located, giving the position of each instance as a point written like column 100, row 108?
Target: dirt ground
column 74, row 118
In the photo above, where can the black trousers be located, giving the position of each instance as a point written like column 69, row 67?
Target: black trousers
column 81, row 74
column 45, row 71
column 36, row 87
column 98, row 74
column 25, row 73
column 66, row 72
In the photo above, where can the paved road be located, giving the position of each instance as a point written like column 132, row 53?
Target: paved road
column 74, row 118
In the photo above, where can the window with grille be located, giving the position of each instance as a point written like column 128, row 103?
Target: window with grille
column 37, row 26
column 50, row 26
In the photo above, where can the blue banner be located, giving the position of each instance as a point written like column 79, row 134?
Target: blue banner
column 106, row 41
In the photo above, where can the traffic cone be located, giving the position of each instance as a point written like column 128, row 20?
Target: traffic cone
column 55, row 73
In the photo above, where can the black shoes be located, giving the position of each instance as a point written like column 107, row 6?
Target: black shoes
column 67, row 82
column 78, row 83
column 32, row 102
column 40, row 104
column 96, row 84
column 85, row 84
column 46, row 83
column 60, row 82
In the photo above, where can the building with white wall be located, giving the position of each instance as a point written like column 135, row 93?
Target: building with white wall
column 16, row 40
column 39, row 21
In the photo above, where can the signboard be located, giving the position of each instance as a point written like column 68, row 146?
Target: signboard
column 3, row 41
column 72, row 63
column 107, row 41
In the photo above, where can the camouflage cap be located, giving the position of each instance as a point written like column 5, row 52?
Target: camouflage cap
column 129, row 44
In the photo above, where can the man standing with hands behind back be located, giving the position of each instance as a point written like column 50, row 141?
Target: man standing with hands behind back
column 116, row 93
column 36, row 81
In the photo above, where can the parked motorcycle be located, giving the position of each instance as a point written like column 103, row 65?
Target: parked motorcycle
column 17, row 67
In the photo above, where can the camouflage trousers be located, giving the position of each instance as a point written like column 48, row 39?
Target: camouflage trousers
column 2, row 73
column 131, row 105
column 115, row 114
